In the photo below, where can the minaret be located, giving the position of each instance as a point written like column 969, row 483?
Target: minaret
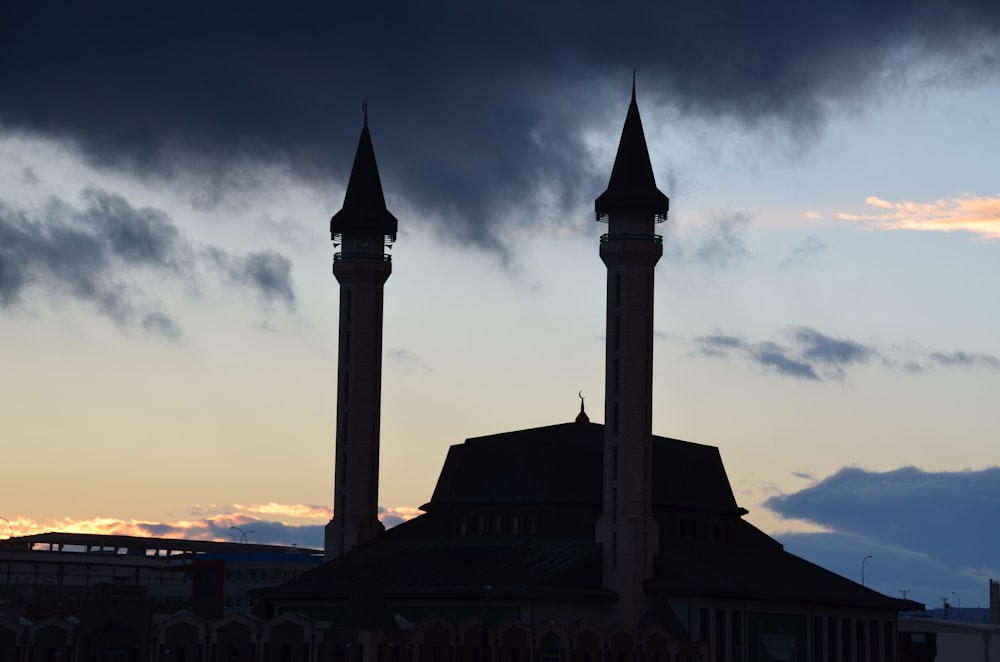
column 626, row 530
column 363, row 229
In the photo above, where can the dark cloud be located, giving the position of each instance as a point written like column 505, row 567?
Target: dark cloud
column 964, row 360
column 768, row 355
column 834, row 354
column 805, row 253
column 474, row 108
column 771, row 355
column 30, row 176
column 408, row 361
column 724, row 244
column 79, row 254
column 267, row 274
column 915, row 517
column 91, row 254
column 161, row 324
column 809, row 354
column 719, row 345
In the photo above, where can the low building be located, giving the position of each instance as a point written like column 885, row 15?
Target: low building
column 73, row 596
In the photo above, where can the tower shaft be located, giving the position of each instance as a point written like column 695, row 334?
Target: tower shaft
column 626, row 530
column 359, row 387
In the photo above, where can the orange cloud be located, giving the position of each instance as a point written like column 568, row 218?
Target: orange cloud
column 286, row 509
column 402, row 512
column 211, row 522
column 969, row 213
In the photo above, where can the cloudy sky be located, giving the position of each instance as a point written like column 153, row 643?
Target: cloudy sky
column 826, row 309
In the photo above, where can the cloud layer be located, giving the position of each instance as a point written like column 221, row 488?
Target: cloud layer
column 270, row 523
column 929, row 531
column 478, row 112
column 805, row 353
column 979, row 215
column 93, row 254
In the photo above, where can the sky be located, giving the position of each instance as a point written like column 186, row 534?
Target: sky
column 826, row 309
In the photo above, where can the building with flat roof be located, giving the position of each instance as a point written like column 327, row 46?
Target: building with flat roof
column 74, row 596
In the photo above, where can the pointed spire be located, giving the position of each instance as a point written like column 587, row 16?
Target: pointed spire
column 364, row 203
column 632, row 186
column 582, row 416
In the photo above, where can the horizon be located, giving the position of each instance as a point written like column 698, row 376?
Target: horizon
column 823, row 307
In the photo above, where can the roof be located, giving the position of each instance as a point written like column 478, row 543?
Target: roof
column 754, row 566
column 632, row 187
column 94, row 542
column 561, row 464
column 364, row 203
column 467, row 539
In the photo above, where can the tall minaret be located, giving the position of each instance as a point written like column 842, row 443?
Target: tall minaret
column 363, row 229
column 626, row 530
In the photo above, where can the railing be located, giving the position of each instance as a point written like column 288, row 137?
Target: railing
column 361, row 256
column 655, row 238
column 604, row 217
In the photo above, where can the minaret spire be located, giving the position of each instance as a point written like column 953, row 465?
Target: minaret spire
column 626, row 530
column 582, row 416
column 363, row 229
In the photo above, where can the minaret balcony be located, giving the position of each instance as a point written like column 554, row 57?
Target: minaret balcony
column 631, row 236
column 361, row 256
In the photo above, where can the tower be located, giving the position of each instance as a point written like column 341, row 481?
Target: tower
column 363, row 229
column 626, row 530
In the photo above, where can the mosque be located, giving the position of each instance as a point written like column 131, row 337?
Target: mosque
column 576, row 542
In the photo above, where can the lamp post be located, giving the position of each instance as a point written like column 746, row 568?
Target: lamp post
column 957, row 597
column 863, row 568
column 243, row 534
column 6, row 586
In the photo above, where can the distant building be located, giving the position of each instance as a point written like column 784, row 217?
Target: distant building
column 947, row 640
column 70, row 596
column 575, row 542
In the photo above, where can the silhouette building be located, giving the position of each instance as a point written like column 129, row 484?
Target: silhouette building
column 575, row 542
column 363, row 229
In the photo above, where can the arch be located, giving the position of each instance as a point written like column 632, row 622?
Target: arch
column 12, row 636
column 52, row 637
column 473, row 642
column 551, row 643
column 235, row 638
column 181, row 637
column 587, row 644
column 289, row 637
column 656, row 645
column 621, row 644
column 513, row 641
column 433, row 638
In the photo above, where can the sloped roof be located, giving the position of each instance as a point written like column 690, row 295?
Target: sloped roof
column 411, row 561
column 754, row 566
column 556, row 471
column 364, row 203
column 632, row 186
column 561, row 464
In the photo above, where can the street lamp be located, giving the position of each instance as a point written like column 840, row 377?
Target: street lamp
column 959, row 603
column 243, row 534
column 863, row 568
column 9, row 526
